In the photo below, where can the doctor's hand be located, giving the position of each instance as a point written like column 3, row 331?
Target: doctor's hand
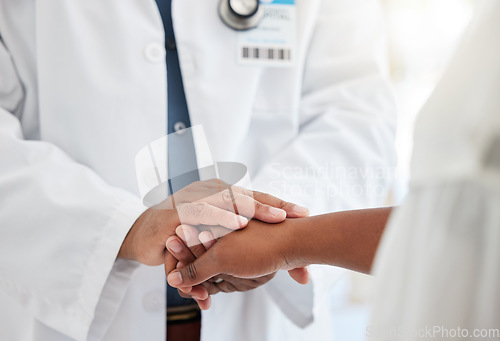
column 211, row 202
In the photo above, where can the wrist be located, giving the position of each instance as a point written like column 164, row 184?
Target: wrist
column 127, row 250
column 294, row 246
column 145, row 242
column 310, row 240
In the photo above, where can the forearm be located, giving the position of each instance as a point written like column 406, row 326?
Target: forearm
column 346, row 239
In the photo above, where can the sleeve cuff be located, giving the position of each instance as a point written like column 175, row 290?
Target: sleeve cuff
column 107, row 278
column 300, row 303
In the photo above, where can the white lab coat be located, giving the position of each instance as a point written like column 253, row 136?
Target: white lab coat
column 83, row 89
column 438, row 268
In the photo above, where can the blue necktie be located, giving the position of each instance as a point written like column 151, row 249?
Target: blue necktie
column 182, row 165
column 181, row 152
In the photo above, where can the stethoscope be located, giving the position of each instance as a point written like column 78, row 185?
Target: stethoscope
column 241, row 15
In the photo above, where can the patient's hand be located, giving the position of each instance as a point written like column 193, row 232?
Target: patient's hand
column 189, row 248
column 243, row 259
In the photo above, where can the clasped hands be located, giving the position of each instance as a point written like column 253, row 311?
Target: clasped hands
column 181, row 230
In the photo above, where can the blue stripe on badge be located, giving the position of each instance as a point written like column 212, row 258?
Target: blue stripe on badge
column 278, row 2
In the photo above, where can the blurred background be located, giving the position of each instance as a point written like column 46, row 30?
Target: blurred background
column 423, row 35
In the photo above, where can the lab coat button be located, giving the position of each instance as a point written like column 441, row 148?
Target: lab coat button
column 155, row 53
column 153, row 302
column 179, row 126
column 170, row 43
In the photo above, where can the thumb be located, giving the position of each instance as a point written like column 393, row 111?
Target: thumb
column 300, row 275
column 197, row 272
column 170, row 262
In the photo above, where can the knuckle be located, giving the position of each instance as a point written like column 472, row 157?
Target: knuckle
column 197, row 249
column 213, row 290
column 258, row 194
column 181, row 294
column 226, row 197
column 191, row 272
column 200, row 208
column 224, row 287
column 282, row 204
column 258, row 205
column 231, row 287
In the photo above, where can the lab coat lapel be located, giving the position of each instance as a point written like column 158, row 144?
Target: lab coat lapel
column 100, row 77
column 220, row 92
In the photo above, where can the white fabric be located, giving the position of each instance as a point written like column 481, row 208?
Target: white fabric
column 83, row 88
column 438, row 268
column 465, row 105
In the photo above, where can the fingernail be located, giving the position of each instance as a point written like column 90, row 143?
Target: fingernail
column 277, row 212
column 185, row 233
column 186, row 290
column 174, row 246
column 201, row 296
column 242, row 221
column 300, row 209
column 174, row 278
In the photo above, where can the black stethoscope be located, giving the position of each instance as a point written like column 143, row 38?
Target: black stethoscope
column 241, row 15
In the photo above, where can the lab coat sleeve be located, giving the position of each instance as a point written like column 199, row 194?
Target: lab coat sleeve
column 343, row 154
column 61, row 226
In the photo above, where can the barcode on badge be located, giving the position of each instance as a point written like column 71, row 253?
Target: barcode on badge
column 266, row 53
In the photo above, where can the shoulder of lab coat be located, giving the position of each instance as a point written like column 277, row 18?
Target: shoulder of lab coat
column 61, row 281
column 347, row 126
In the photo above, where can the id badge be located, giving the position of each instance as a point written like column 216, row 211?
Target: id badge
column 272, row 42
